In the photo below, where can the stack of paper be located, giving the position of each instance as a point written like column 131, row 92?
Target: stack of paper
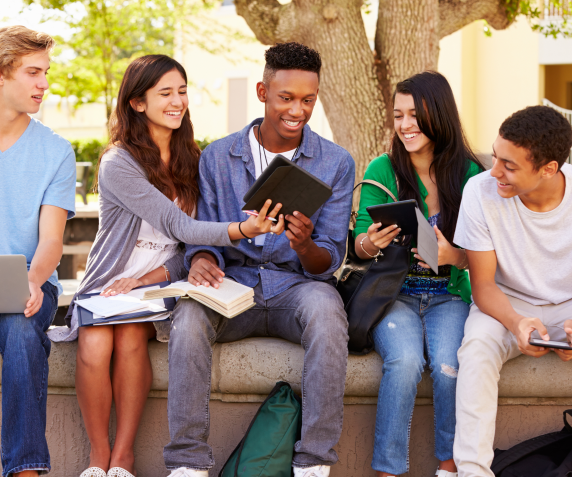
column 229, row 299
column 124, row 308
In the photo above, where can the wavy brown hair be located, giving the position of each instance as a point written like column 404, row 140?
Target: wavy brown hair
column 129, row 130
column 437, row 118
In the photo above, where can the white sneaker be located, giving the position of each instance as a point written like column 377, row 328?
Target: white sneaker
column 315, row 471
column 445, row 473
column 185, row 472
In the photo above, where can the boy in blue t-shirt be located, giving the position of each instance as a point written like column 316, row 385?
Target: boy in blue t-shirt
column 37, row 196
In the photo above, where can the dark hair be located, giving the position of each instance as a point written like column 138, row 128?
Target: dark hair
column 438, row 119
column 543, row 131
column 129, row 130
column 291, row 56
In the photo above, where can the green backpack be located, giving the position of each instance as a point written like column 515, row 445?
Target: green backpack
column 267, row 448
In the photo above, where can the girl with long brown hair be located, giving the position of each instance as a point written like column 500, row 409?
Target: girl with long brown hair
column 148, row 190
column 429, row 161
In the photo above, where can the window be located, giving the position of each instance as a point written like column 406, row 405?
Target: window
column 237, row 104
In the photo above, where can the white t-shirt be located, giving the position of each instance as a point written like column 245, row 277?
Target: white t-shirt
column 260, row 163
column 534, row 249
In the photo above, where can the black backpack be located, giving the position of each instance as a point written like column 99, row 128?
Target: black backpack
column 549, row 455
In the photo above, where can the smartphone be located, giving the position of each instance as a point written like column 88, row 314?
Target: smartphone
column 550, row 344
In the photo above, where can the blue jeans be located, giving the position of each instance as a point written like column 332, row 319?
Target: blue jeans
column 415, row 327
column 310, row 313
column 25, row 348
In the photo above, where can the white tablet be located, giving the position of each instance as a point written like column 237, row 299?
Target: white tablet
column 14, row 289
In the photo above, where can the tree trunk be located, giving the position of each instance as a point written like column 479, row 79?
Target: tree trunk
column 356, row 83
column 406, row 42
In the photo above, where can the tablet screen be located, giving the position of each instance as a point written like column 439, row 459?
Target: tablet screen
column 400, row 213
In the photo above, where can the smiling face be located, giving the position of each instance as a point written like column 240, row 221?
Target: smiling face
column 289, row 97
column 514, row 171
column 22, row 91
column 406, row 128
column 166, row 103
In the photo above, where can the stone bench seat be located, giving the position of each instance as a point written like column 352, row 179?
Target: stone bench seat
column 251, row 367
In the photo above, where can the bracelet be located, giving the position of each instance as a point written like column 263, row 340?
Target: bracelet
column 166, row 273
column 463, row 265
column 240, row 230
column 378, row 254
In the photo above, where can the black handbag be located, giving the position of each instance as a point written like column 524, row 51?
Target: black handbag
column 370, row 287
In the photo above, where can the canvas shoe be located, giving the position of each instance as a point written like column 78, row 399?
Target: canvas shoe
column 185, row 472
column 445, row 473
column 315, row 471
column 93, row 472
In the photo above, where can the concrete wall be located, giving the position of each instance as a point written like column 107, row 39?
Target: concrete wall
column 491, row 77
column 69, row 445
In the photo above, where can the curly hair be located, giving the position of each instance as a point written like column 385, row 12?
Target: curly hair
column 543, row 131
column 291, row 56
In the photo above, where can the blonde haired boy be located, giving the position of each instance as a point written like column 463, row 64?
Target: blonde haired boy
column 37, row 195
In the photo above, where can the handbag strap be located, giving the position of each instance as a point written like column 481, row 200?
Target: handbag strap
column 377, row 184
column 354, row 214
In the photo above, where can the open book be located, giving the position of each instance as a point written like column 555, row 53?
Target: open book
column 229, row 299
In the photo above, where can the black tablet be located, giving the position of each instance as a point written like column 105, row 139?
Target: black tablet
column 400, row 213
column 287, row 183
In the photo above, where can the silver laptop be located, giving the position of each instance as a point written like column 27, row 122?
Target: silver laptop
column 14, row 289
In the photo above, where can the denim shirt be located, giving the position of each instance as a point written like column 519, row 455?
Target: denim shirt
column 227, row 172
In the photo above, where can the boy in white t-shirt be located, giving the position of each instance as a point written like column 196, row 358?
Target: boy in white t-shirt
column 515, row 224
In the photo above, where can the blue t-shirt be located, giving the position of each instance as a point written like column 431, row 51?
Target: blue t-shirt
column 39, row 169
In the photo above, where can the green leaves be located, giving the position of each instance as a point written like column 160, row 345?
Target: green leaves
column 552, row 20
column 107, row 35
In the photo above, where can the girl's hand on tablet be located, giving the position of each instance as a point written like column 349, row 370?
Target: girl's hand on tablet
column 381, row 238
column 258, row 225
column 124, row 285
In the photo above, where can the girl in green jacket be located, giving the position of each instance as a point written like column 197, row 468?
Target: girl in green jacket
column 430, row 161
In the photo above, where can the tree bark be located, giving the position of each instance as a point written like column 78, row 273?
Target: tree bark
column 356, row 83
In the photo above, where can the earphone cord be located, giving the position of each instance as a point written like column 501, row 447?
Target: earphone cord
column 261, row 142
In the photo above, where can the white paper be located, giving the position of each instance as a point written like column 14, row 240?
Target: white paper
column 427, row 245
column 106, row 307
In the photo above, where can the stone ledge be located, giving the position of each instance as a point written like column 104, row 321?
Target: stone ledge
column 247, row 370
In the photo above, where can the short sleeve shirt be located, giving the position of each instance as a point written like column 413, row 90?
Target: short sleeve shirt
column 533, row 249
column 38, row 169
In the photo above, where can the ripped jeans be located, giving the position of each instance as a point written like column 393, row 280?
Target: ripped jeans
column 418, row 330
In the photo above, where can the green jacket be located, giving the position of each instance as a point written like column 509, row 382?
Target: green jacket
column 380, row 170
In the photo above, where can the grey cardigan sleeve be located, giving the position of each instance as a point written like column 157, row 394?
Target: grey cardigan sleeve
column 125, row 183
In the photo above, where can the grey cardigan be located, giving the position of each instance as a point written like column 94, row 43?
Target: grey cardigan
column 125, row 198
